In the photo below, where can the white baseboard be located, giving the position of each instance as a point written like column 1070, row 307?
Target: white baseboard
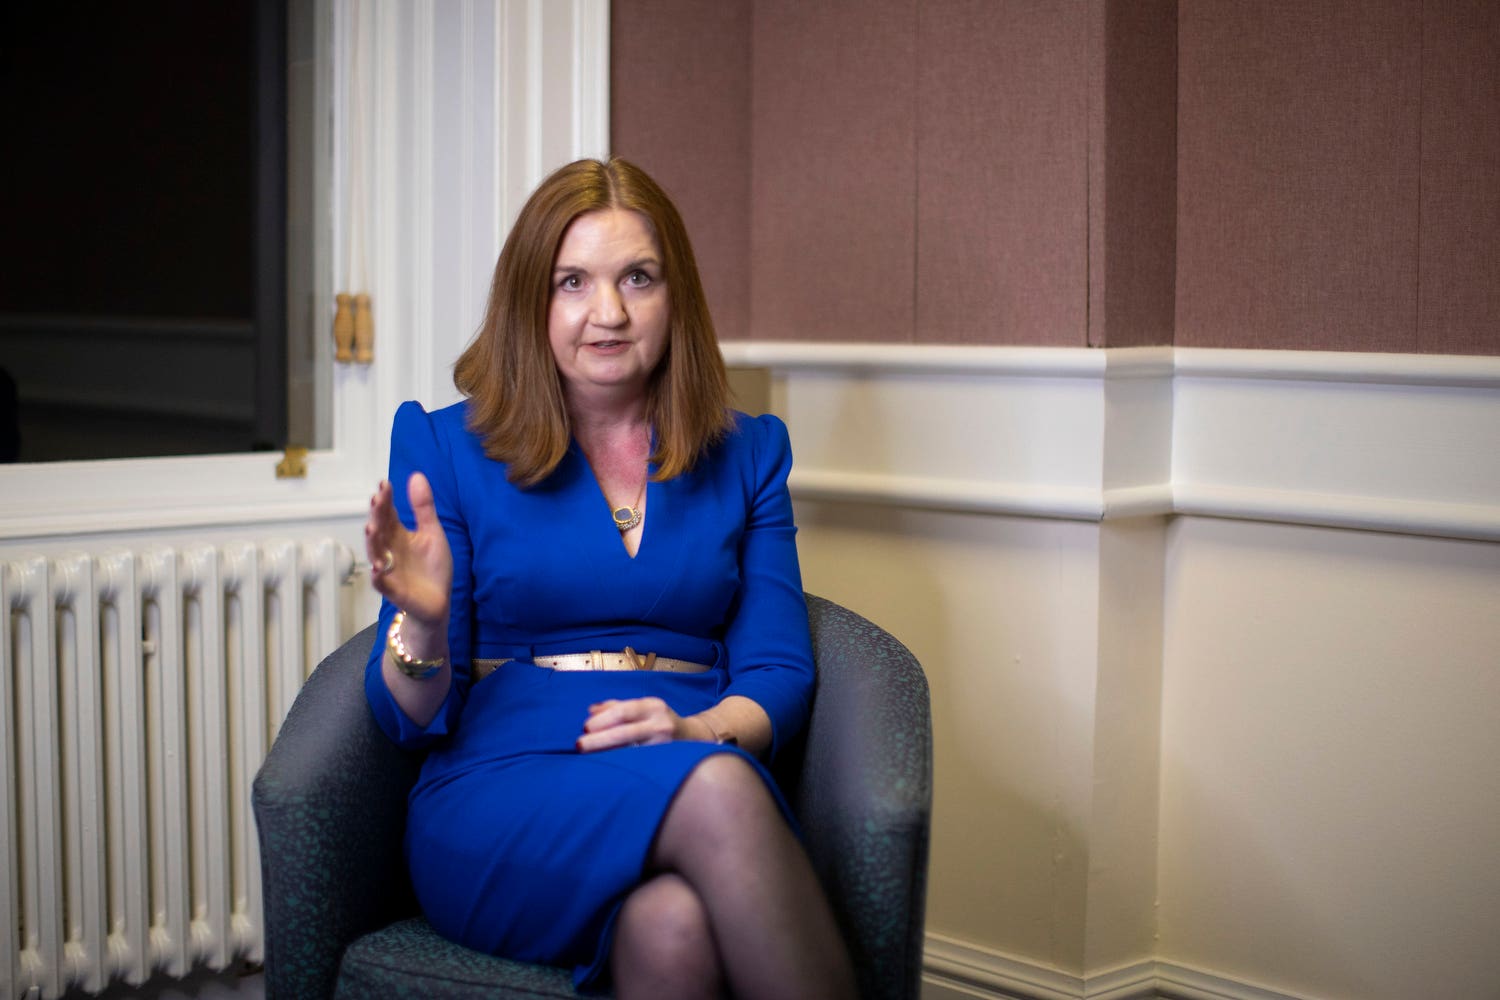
column 982, row 972
column 1177, row 982
column 955, row 970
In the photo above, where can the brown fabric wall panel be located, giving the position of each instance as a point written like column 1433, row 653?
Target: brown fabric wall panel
column 680, row 107
column 1133, row 214
column 833, row 170
column 1002, row 173
column 1298, row 139
column 1459, row 292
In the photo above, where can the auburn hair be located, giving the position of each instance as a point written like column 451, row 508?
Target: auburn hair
column 508, row 372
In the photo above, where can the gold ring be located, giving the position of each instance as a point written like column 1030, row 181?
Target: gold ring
column 388, row 563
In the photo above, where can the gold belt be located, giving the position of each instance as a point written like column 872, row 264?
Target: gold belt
column 626, row 659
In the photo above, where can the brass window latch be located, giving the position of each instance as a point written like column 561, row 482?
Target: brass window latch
column 353, row 329
column 293, row 464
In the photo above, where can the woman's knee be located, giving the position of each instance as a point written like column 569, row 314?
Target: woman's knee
column 722, row 811
column 730, row 787
column 664, row 943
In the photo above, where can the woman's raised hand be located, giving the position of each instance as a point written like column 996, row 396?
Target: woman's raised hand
column 413, row 569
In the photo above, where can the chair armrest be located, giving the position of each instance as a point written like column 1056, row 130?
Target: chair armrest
column 330, row 805
column 864, row 795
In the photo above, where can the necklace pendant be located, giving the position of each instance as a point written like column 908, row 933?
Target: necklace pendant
column 626, row 518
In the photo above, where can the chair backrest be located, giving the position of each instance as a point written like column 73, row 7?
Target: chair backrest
column 330, row 806
column 863, row 793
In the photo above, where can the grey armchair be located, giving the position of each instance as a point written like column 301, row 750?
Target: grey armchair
column 330, row 803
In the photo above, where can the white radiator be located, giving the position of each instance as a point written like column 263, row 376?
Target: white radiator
column 138, row 694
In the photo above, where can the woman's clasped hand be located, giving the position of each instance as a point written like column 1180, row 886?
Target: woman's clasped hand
column 634, row 722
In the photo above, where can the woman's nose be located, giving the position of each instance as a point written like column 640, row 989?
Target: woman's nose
column 609, row 307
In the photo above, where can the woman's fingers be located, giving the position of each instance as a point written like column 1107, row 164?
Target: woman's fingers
column 412, row 569
column 633, row 722
column 616, row 712
column 383, row 510
column 381, row 529
column 419, row 495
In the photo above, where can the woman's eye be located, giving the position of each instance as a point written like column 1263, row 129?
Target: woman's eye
column 638, row 279
column 571, row 283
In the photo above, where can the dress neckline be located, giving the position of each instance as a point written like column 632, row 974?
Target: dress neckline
column 650, row 497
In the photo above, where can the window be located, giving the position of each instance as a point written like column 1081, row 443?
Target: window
column 152, row 188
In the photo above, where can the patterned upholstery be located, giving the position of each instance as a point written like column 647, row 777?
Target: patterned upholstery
column 409, row 959
column 330, row 801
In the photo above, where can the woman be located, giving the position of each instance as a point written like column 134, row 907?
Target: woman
column 593, row 617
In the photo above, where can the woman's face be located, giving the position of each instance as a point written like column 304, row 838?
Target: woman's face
column 607, row 318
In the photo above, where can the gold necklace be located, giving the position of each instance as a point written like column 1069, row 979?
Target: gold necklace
column 628, row 517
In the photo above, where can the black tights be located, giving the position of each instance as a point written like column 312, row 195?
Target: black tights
column 733, row 907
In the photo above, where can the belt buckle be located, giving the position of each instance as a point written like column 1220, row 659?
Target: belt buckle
column 636, row 663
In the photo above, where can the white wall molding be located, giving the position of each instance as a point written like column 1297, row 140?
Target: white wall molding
column 1398, row 443
column 954, row 968
column 1038, row 362
column 948, row 961
column 1178, row 982
column 1451, row 520
column 591, row 78
column 949, row 493
column 1338, row 366
column 984, row 972
column 991, row 430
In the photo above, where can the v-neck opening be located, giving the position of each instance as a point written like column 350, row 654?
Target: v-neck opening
column 646, row 495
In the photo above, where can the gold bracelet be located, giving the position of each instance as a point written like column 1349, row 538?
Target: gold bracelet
column 409, row 665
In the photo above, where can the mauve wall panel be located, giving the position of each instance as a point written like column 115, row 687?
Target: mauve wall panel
column 680, row 107
column 833, row 172
column 1133, row 213
column 1460, row 259
column 1002, row 159
column 1298, row 140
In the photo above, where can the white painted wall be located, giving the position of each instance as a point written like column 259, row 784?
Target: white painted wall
column 1331, row 760
column 997, row 609
column 1199, row 731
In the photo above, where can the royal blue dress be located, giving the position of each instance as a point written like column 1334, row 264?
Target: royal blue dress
column 518, row 844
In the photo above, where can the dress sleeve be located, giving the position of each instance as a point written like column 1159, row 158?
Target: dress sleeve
column 417, row 445
column 770, row 650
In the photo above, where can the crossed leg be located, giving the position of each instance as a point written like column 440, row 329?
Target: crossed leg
column 733, row 907
column 664, row 947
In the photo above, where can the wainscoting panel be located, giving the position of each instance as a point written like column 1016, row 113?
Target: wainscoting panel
column 1404, row 443
column 994, row 430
